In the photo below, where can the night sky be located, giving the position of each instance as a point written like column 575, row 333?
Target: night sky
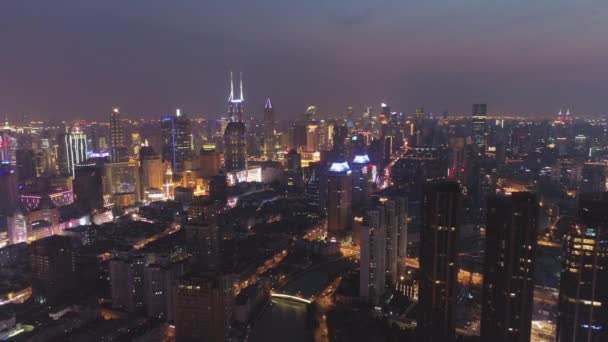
column 78, row 58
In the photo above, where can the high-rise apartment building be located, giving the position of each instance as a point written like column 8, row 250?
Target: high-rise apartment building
column 442, row 216
column 583, row 290
column 127, row 282
column 118, row 150
column 508, row 284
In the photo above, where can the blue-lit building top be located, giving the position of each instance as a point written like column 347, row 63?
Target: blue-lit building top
column 340, row 167
column 361, row 159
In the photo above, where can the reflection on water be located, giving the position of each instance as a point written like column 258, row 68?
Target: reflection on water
column 285, row 320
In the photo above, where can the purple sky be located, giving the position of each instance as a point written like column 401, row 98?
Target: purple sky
column 77, row 59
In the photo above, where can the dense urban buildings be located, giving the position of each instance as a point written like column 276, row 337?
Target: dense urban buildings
column 414, row 194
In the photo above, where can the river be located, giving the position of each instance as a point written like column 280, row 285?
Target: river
column 285, row 320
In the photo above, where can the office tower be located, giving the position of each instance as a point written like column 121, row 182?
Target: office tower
column 583, row 290
column 311, row 113
column 442, row 203
column 26, row 164
column 456, row 168
column 340, row 134
column 127, row 282
column 373, row 255
column 479, row 126
column 176, row 140
column 8, row 144
column 312, row 191
column 362, row 179
column 203, row 242
column 88, row 186
column 417, row 131
column 269, row 134
column 508, row 285
column 121, row 181
column 152, row 171
column 72, row 150
column 235, row 138
column 339, row 198
column 297, row 136
column 200, row 304
column 8, row 189
column 53, row 266
column 401, row 214
column 312, row 137
column 210, row 162
column 118, row 150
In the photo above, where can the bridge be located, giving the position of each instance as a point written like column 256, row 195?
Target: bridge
column 290, row 297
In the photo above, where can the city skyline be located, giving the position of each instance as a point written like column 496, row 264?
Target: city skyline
column 70, row 60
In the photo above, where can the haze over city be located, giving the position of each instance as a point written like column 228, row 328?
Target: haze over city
column 67, row 59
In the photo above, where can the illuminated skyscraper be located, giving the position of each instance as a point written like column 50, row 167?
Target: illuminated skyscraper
column 122, row 182
column 508, row 285
column 339, row 198
column 235, row 139
column 72, row 151
column 479, row 126
column 152, row 171
column 583, row 290
column 8, row 144
column 269, row 134
column 442, row 216
column 117, row 137
column 176, row 141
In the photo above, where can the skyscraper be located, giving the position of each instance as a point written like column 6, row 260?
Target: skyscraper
column 8, row 189
column 508, row 285
column 176, row 140
column 269, row 135
column 117, row 137
column 479, row 126
column 151, row 170
column 72, row 151
column 373, row 255
column 583, row 290
column 362, row 179
column 235, row 138
column 418, row 127
column 339, row 198
column 442, row 216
